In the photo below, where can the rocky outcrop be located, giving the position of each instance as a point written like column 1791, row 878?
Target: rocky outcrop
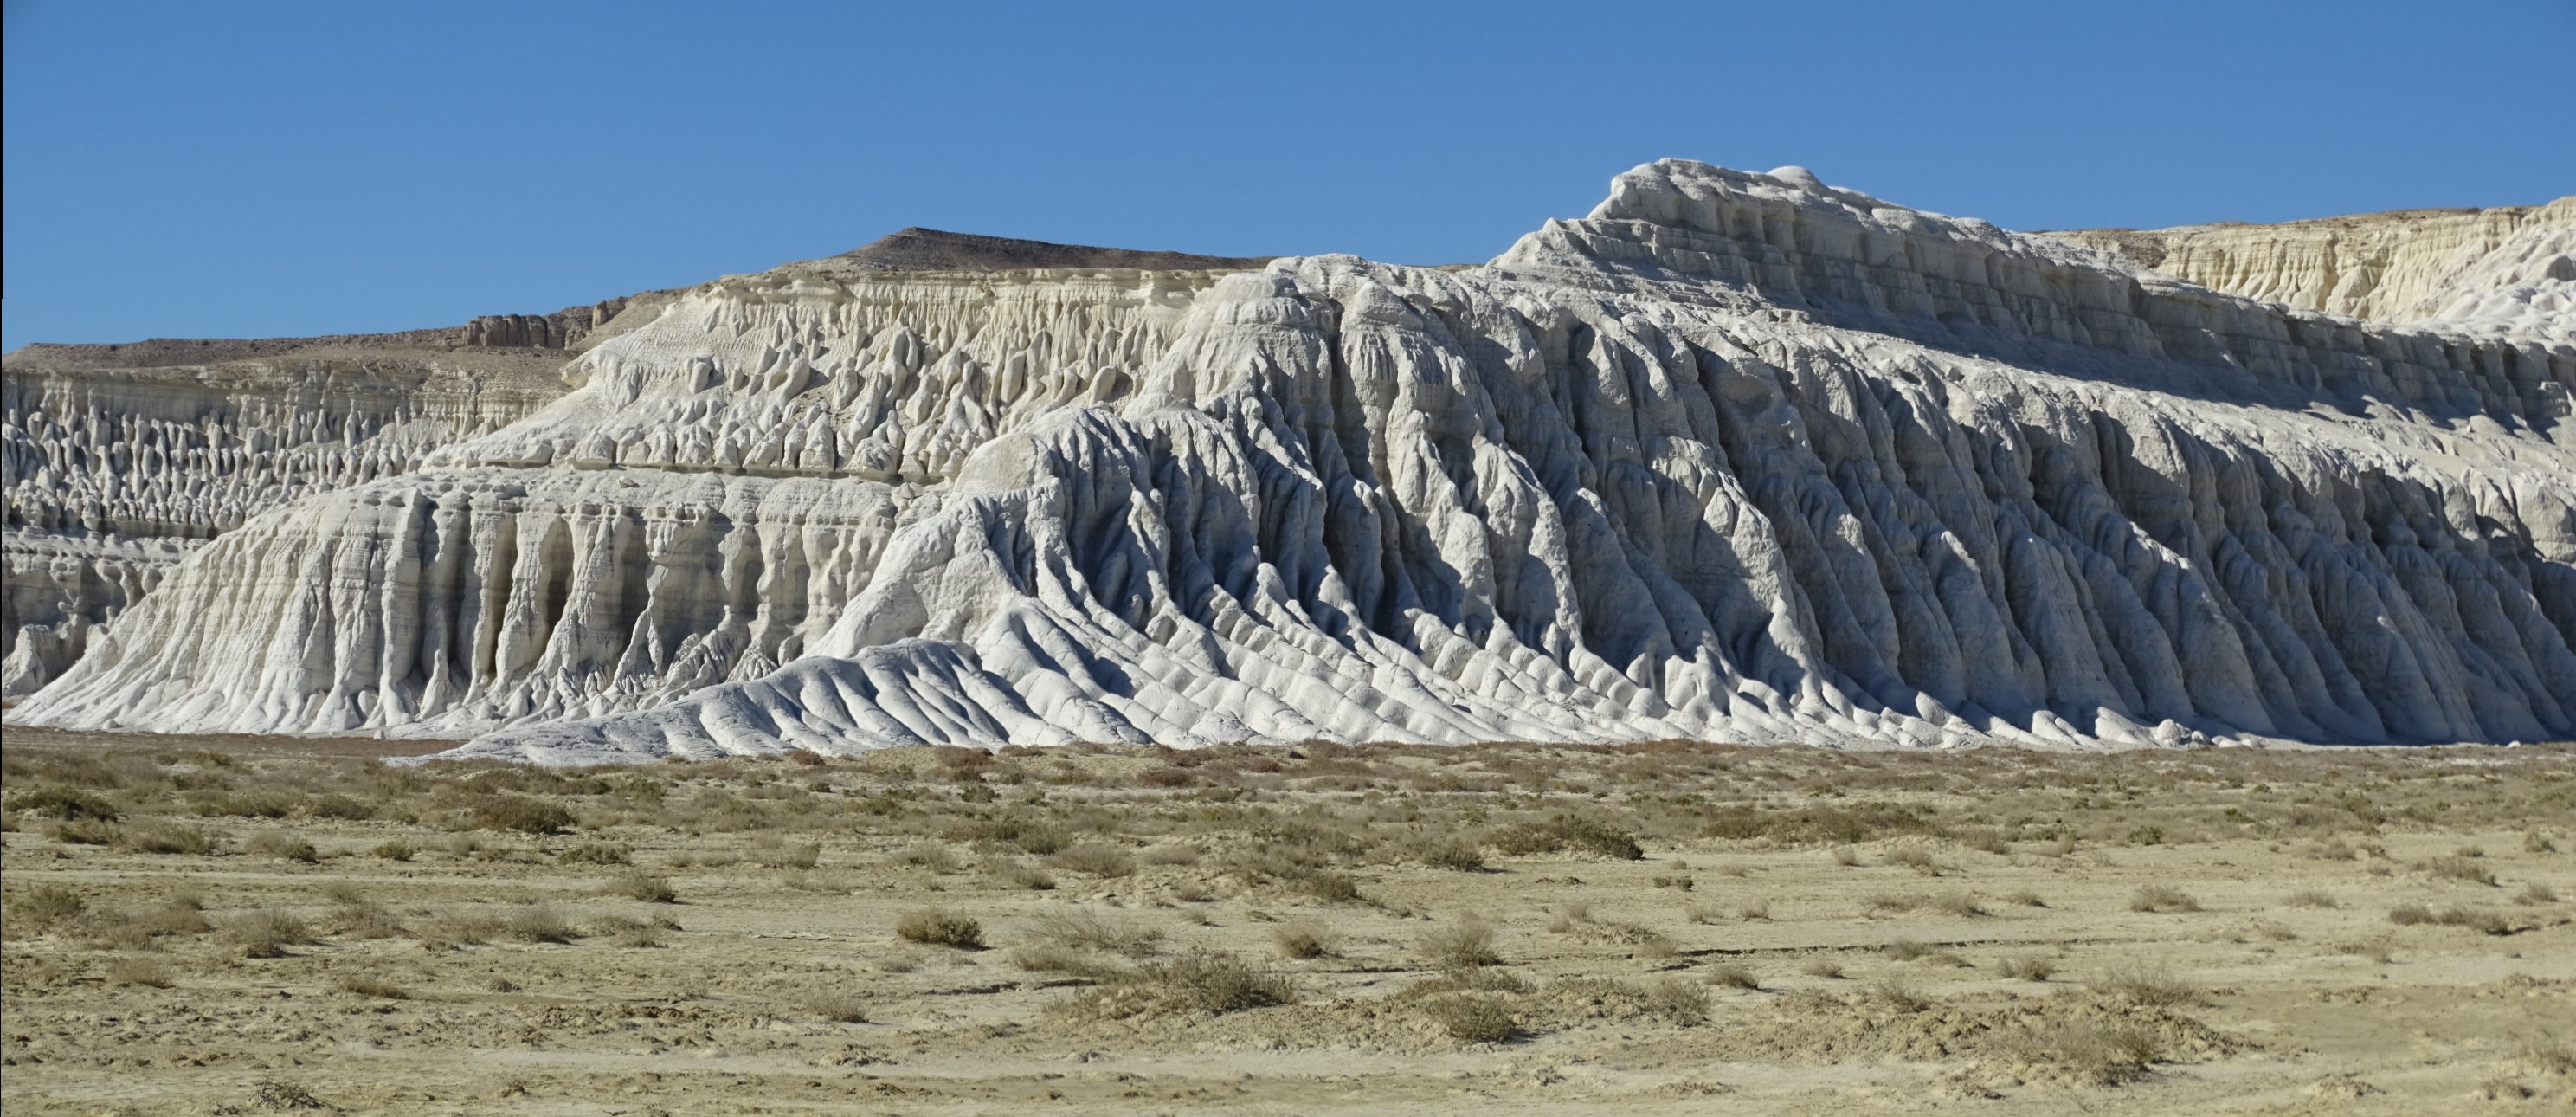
column 1737, row 456
column 117, row 459
column 2514, row 262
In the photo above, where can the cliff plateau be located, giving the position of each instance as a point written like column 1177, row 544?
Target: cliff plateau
column 1737, row 456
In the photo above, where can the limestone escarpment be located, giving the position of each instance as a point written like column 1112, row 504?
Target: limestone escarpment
column 119, row 459
column 1738, row 456
column 2512, row 262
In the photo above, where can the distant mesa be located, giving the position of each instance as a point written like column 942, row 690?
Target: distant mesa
column 917, row 249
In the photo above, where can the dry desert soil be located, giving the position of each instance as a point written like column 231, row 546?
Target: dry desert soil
column 240, row 925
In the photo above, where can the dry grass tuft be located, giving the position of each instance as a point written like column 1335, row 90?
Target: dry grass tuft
column 1465, row 944
column 1302, row 939
column 2160, row 898
column 1734, row 976
column 939, row 927
column 266, row 934
column 646, row 887
column 148, row 972
column 838, row 1007
column 2150, row 987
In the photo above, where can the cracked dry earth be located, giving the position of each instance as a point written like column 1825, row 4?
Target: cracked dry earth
column 237, row 925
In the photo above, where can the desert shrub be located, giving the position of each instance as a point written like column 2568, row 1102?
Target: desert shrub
column 2312, row 898
column 521, row 813
column 2162, row 897
column 1906, row 950
column 1825, row 968
column 2091, row 1051
column 2141, row 985
column 1084, row 929
column 1464, row 944
column 1051, row 958
column 1680, row 1001
column 66, row 804
column 1214, row 981
column 181, row 915
column 2025, row 898
column 1734, row 976
column 1169, row 855
column 395, row 850
column 266, row 934
column 1016, row 875
column 1470, row 1017
column 2476, row 919
column 2550, row 1057
column 1816, row 825
column 1918, row 859
column 803, row 855
column 1330, row 887
column 151, row 972
column 362, row 920
column 538, row 923
column 1094, row 859
column 2458, row 867
column 86, row 832
column 931, row 856
column 646, row 887
column 247, row 804
column 1846, row 856
column 339, row 807
column 2535, row 894
column 596, row 853
column 154, row 838
column 1898, row 995
column 366, row 985
column 1302, row 939
column 2028, row 967
column 1556, row 835
column 838, row 1007
column 1454, row 854
column 939, row 927
column 45, row 907
column 283, row 846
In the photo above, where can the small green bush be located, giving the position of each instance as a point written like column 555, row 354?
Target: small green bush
column 66, row 804
column 521, row 813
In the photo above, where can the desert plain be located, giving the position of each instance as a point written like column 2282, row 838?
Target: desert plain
column 246, row 925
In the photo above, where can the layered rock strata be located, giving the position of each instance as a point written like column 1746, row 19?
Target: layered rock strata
column 116, row 460
column 2515, row 263
column 1737, row 457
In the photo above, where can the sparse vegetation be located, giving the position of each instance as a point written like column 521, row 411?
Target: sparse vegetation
column 940, row 927
column 1465, row 943
column 1199, row 891
column 2162, row 898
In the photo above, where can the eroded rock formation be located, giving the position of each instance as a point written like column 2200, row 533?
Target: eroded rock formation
column 2513, row 265
column 1737, row 456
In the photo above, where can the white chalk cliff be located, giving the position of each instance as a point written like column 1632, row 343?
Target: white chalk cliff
column 1737, row 457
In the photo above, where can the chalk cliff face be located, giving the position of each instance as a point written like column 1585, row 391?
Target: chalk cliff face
column 121, row 459
column 2513, row 263
column 1737, row 456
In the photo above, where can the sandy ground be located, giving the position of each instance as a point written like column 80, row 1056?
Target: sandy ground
column 1288, row 932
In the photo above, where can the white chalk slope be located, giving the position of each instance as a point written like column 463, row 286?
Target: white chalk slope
column 1737, row 457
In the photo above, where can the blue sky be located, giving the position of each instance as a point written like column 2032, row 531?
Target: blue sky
column 279, row 169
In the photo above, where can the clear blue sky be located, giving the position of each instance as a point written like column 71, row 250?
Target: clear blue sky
column 197, row 169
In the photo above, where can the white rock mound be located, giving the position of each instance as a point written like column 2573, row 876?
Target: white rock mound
column 1737, row 457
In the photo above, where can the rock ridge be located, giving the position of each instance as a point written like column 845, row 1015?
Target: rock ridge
column 1737, row 456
